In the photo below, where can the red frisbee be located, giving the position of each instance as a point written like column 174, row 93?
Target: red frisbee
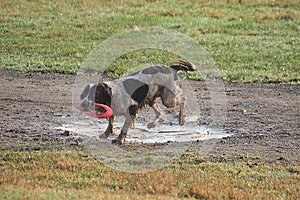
column 107, row 114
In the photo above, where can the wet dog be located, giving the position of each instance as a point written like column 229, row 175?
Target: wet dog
column 127, row 95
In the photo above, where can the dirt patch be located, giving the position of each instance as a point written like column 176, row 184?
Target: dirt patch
column 263, row 118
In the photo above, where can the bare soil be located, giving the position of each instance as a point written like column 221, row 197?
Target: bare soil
column 263, row 118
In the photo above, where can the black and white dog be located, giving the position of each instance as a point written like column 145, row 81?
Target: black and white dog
column 127, row 95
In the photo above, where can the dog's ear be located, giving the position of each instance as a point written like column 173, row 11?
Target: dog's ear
column 103, row 94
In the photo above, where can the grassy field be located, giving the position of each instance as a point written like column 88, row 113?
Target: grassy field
column 250, row 41
column 68, row 174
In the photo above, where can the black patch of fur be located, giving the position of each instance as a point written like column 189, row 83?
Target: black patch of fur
column 103, row 94
column 157, row 69
column 133, row 110
column 136, row 89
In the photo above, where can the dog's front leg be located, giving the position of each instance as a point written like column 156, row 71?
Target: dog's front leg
column 110, row 128
column 124, row 131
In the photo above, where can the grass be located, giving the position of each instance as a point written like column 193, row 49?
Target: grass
column 250, row 41
column 67, row 174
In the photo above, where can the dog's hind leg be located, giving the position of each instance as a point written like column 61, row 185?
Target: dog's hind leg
column 134, row 117
column 159, row 115
column 180, row 98
column 181, row 115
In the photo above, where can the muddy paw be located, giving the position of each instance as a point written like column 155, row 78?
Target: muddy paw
column 151, row 125
column 108, row 134
column 116, row 142
column 181, row 120
column 103, row 136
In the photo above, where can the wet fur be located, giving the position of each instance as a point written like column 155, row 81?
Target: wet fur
column 129, row 94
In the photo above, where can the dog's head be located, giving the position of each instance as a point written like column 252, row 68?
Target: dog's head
column 95, row 93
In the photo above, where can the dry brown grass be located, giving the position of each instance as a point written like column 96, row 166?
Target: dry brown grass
column 67, row 174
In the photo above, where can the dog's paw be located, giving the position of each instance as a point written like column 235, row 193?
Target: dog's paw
column 181, row 120
column 103, row 136
column 151, row 125
column 108, row 133
column 116, row 142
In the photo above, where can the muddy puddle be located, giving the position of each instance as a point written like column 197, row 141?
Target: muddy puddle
column 165, row 132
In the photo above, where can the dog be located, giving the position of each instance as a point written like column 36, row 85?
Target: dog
column 125, row 96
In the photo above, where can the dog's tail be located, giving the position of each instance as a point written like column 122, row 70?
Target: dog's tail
column 184, row 66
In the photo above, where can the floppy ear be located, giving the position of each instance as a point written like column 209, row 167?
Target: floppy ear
column 103, row 94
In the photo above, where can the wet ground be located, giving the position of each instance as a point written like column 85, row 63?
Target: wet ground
column 262, row 119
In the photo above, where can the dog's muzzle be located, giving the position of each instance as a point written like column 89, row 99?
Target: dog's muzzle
column 87, row 105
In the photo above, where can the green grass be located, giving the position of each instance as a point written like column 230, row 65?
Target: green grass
column 250, row 41
column 68, row 174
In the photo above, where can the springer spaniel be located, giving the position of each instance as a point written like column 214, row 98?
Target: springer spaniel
column 125, row 96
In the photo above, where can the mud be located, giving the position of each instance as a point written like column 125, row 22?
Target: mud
column 263, row 119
